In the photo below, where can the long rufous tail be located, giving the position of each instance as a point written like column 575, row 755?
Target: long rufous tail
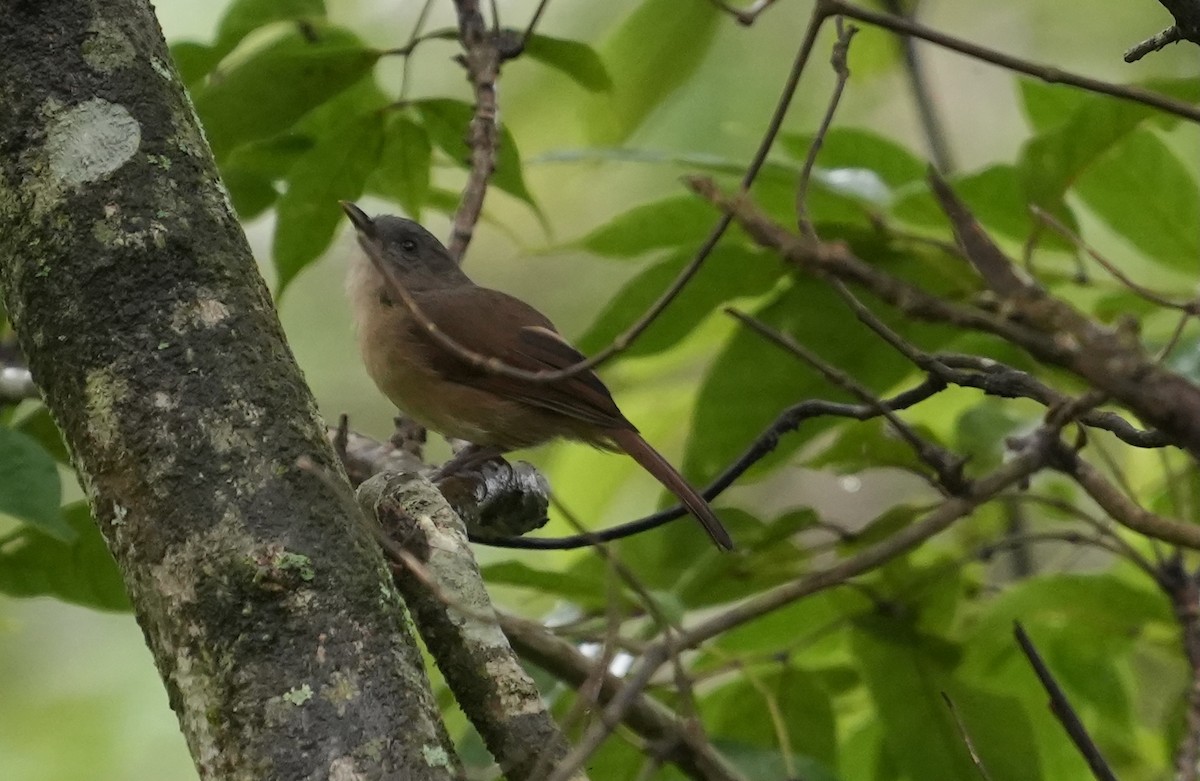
column 633, row 444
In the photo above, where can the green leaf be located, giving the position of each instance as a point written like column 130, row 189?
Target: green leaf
column 335, row 169
column 683, row 562
column 274, row 87
column 801, row 627
column 906, row 673
column 448, row 122
column 585, row 586
column 849, row 149
column 872, row 443
column 243, row 17
column 1051, row 161
column 575, row 59
column 654, row 51
column 29, row 485
column 734, row 714
column 981, row 431
column 680, row 221
column 1048, row 106
column 81, row 571
column 752, row 381
column 251, row 172
column 730, row 272
column 1142, row 190
column 404, row 168
column 995, row 195
column 194, row 60
column 251, row 194
column 41, row 426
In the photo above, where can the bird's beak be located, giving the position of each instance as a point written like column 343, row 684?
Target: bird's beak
column 362, row 223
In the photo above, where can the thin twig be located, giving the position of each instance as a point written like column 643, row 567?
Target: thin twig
column 841, row 49
column 1060, row 706
column 931, row 124
column 945, row 465
column 1046, row 73
column 766, row 442
column 481, row 57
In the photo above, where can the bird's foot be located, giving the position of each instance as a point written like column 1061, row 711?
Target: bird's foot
column 470, row 456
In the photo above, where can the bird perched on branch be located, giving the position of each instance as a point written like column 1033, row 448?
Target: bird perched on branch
column 445, row 350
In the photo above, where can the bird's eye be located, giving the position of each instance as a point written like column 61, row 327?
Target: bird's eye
column 408, row 245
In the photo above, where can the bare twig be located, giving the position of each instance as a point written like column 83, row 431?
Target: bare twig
column 931, row 124
column 1061, row 707
column 481, row 57
column 841, row 48
column 1048, row 328
column 1046, row 73
column 763, row 445
column 945, row 465
column 1186, row 28
column 690, row 752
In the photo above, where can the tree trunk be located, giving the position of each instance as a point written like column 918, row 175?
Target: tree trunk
column 271, row 615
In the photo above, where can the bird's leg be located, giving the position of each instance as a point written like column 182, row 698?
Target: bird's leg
column 469, row 456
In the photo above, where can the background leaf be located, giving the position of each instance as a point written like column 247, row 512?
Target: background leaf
column 577, row 60
column 29, row 485
column 649, row 56
column 271, row 89
column 447, row 122
column 308, row 213
column 80, row 571
column 404, row 167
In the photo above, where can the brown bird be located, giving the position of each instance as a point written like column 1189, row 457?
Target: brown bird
column 458, row 398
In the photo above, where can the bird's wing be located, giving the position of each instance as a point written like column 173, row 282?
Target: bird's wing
column 510, row 330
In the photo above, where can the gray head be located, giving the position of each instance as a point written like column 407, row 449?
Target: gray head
column 421, row 260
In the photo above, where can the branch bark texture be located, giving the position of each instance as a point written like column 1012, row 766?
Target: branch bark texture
column 267, row 605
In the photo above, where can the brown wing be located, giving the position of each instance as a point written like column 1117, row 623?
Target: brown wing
column 507, row 328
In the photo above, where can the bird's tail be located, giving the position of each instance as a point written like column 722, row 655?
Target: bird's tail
column 633, row 444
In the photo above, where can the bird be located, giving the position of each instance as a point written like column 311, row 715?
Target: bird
column 402, row 264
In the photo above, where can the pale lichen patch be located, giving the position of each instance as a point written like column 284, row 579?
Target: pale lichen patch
column 114, row 231
column 204, row 311
column 102, row 390
column 198, row 704
column 88, row 141
column 107, row 49
column 344, row 769
column 298, row 695
column 435, row 755
column 341, row 690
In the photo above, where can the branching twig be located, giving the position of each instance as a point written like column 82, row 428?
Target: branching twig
column 1186, row 28
column 481, row 57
